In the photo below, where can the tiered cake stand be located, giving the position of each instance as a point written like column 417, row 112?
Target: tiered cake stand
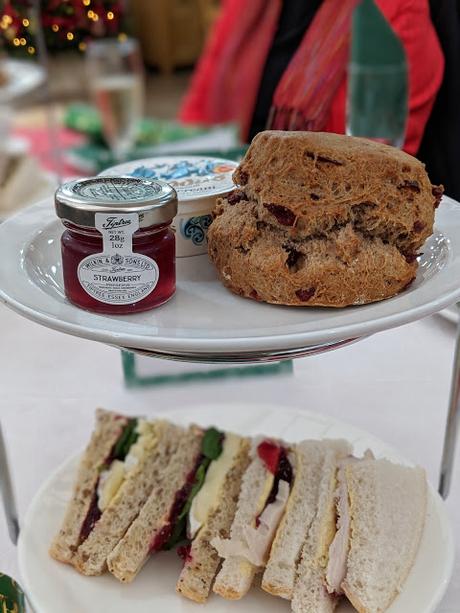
column 206, row 323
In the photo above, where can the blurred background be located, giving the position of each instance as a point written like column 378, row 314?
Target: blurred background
column 51, row 72
column 85, row 84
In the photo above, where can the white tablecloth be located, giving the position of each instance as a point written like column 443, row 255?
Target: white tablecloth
column 395, row 385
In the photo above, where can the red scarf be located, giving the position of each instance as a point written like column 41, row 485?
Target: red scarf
column 303, row 96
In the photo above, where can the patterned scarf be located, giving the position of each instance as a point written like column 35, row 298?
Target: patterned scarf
column 303, row 97
column 228, row 77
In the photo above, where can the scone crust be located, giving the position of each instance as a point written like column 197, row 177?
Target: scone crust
column 322, row 220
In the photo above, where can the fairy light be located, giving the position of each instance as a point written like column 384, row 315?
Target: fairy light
column 6, row 22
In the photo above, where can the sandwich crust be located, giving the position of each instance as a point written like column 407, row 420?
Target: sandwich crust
column 280, row 573
column 131, row 553
column 388, row 511
column 322, row 220
column 107, row 431
column 310, row 594
column 200, row 568
column 237, row 573
column 91, row 557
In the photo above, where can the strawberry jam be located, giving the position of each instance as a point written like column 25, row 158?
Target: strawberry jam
column 161, row 538
column 269, row 453
column 93, row 516
column 118, row 249
column 157, row 243
column 283, row 472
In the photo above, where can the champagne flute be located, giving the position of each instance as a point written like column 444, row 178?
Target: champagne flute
column 377, row 103
column 115, row 76
column 378, row 84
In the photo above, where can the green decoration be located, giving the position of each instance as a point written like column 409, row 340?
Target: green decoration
column 12, row 599
column 128, row 437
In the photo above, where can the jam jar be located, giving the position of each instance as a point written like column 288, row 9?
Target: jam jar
column 118, row 248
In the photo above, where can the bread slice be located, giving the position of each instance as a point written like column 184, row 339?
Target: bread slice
column 158, row 447
column 310, row 594
column 280, row 573
column 107, row 431
column 237, row 573
column 388, row 510
column 201, row 566
column 130, row 554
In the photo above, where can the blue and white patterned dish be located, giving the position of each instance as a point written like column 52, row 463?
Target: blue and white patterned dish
column 198, row 181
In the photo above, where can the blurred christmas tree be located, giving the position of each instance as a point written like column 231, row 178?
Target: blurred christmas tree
column 67, row 24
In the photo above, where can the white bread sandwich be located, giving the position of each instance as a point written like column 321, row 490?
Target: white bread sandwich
column 315, row 462
column 264, row 494
column 310, row 594
column 386, row 507
column 110, row 442
column 211, row 514
column 380, row 510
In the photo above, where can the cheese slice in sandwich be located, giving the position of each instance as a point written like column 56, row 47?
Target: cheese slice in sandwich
column 387, row 511
column 211, row 511
column 124, row 486
column 310, row 455
column 310, row 594
column 263, row 497
column 111, row 436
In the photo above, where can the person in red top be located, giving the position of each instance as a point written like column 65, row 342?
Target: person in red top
column 255, row 46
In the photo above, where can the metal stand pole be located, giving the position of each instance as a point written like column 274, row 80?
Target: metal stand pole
column 7, row 493
column 453, row 422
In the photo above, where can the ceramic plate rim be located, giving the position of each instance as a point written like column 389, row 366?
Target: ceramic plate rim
column 328, row 421
column 25, row 221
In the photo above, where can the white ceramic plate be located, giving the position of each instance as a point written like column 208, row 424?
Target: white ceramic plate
column 203, row 317
column 55, row 588
column 23, row 76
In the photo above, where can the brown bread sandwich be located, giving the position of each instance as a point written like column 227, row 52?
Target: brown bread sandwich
column 322, row 219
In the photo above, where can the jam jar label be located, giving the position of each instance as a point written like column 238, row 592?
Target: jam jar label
column 117, row 275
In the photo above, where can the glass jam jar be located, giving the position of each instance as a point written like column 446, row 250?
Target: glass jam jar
column 118, row 248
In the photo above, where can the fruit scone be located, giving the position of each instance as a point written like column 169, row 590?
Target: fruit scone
column 321, row 219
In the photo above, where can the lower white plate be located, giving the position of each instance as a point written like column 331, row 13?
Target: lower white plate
column 56, row 588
